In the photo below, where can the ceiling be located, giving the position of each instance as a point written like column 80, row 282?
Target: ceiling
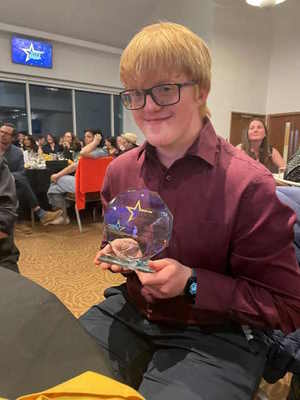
column 109, row 22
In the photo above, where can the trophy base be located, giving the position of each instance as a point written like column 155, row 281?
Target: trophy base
column 139, row 265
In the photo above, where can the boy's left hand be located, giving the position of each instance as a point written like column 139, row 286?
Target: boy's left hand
column 168, row 280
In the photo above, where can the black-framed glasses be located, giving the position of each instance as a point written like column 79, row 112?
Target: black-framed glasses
column 166, row 94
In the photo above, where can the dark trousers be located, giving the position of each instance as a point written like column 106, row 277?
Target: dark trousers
column 9, row 253
column 164, row 362
column 25, row 194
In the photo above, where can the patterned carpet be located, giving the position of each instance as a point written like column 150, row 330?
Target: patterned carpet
column 60, row 259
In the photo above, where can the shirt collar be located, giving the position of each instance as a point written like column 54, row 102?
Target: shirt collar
column 204, row 147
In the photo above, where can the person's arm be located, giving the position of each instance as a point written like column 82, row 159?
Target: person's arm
column 277, row 159
column 8, row 200
column 17, row 168
column 70, row 169
column 263, row 288
column 86, row 150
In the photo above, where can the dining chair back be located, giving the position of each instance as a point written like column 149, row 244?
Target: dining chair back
column 88, row 182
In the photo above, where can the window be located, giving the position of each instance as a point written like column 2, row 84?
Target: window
column 13, row 104
column 51, row 110
column 92, row 111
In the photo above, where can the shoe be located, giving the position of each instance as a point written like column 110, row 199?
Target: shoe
column 60, row 221
column 50, row 216
column 260, row 395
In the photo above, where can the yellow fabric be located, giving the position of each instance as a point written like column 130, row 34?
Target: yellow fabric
column 88, row 386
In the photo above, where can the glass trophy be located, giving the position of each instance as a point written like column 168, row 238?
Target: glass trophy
column 137, row 226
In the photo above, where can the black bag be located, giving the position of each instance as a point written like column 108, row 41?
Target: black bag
column 292, row 171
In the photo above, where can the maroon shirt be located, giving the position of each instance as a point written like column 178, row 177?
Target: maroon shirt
column 228, row 224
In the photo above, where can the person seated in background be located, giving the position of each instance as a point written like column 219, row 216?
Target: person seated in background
column 30, row 148
column 15, row 160
column 19, row 139
column 61, row 141
column 255, row 143
column 127, row 141
column 40, row 141
column 9, row 254
column 64, row 182
column 93, row 144
column 182, row 331
column 51, row 147
column 112, row 146
column 71, row 146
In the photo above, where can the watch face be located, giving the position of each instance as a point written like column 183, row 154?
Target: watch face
column 193, row 288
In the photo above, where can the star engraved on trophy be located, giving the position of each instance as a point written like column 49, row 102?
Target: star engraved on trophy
column 135, row 210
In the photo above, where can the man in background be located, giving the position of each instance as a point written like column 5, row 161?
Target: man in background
column 15, row 160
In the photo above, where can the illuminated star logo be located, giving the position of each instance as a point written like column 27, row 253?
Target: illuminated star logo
column 134, row 211
column 32, row 54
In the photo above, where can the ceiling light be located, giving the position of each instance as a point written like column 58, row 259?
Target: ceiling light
column 264, row 3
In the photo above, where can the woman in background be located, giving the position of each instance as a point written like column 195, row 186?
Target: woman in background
column 29, row 144
column 112, row 146
column 20, row 139
column 51, row 147
column 30, row 149
column 255, row 143
column 126, row 141
column 71, row 146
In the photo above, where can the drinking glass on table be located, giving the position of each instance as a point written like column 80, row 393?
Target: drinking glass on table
column 281, row 172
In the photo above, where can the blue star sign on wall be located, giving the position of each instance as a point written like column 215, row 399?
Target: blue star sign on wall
column 31, row 52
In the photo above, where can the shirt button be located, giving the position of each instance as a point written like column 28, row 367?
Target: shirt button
column 168, row 178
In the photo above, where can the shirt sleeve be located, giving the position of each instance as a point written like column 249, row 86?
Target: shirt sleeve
column 97, row 153
column 263, row 286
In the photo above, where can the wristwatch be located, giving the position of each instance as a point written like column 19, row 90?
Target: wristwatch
column 190, row 288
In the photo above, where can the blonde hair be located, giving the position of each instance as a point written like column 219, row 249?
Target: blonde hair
column 169, row 47
column 130, row 137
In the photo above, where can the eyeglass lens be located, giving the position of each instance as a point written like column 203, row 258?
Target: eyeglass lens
column 162, row 95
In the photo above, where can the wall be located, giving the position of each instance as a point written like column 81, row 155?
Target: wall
column 71, row 63
column 240, row 52
column 284, row 83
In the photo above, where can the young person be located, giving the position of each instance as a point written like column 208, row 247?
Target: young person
column 231, row 240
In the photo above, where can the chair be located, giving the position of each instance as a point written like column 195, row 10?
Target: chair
column 88, row 182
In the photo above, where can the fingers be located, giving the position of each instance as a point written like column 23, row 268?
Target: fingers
column 97, row 261
column 155, row 278
column 157, row 265
column 103, row 265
